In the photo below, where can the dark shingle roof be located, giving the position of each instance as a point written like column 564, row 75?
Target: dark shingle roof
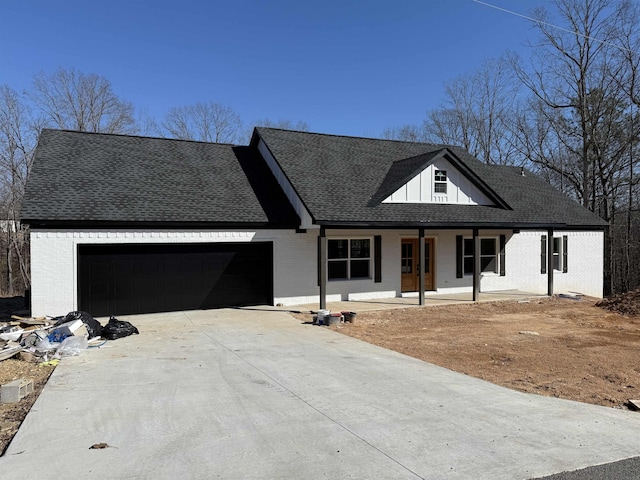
column 91, row 178
column 100, row 179
column 337, row 179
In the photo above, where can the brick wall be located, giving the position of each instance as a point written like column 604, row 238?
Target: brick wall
column 54, row 263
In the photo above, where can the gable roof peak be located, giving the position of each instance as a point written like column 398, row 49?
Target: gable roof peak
column 403, row 170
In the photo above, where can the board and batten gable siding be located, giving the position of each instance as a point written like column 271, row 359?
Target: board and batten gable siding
column 420, row 188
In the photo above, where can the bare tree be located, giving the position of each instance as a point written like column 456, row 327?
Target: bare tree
column 18, row 137
column 66, row 99
column 477, row 113
column 85, row 102
column 204, row 122
column 537, row 141
column 147, row 124
column 627, row 275
column 300, row 125
column 406, row 133
column 571, row 77
column 284, row 124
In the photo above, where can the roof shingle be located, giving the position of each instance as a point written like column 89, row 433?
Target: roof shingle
column 98, row 179
column 93, row 178
column 336, row 178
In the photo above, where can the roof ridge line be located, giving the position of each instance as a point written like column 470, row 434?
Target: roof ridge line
column 146, row 137
column 359, row 137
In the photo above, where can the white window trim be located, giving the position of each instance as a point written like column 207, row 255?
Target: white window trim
column 348, row 259
column 559, row 254
column 497, row 256
column 440, row 182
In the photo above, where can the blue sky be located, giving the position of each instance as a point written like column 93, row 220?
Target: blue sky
column 344, row 67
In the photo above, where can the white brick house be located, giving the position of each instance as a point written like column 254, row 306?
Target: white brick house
column 126, row 224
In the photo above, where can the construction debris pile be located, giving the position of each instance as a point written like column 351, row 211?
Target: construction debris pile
column 43, row 339
column 624, row 303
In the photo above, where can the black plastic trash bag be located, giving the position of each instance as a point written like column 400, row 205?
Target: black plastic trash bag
column 118, row 329
column 93, row 326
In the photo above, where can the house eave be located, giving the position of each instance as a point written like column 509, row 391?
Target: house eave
column 153, row 225
column 457, row 225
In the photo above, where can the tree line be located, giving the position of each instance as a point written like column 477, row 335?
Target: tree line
column 569, row 112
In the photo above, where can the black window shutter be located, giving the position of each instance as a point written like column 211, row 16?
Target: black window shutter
column 543, row 254
column 377, row 258
column 459, row 257
column 503, row 242
column 565, row 253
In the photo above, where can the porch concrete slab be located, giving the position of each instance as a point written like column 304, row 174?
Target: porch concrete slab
column 258, row 394
column 413, row 301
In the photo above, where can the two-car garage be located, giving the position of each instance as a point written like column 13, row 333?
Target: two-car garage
column 179, row 225
column 146, row 278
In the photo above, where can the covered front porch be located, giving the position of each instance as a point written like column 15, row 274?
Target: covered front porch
column 373, row 265
column 429, row 300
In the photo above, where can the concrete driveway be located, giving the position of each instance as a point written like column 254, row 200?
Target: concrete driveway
column 256, row 394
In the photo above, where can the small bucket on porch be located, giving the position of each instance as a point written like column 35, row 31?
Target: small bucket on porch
column 349, row 317
column 322, row 316
column 333, row 319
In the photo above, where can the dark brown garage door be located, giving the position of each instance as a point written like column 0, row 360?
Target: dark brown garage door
column 129, row 279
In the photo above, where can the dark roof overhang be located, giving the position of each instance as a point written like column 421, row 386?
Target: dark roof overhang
column 155, row 225
column 458, row 225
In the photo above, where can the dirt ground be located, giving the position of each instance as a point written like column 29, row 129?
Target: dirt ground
column 12, row 414
column 556, row 347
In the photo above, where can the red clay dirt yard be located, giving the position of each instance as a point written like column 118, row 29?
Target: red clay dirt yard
column 558, row 347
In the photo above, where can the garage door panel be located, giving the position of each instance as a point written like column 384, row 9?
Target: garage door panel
column 125, row 279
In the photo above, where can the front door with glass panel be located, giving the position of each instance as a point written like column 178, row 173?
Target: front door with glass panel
column 410, row 266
